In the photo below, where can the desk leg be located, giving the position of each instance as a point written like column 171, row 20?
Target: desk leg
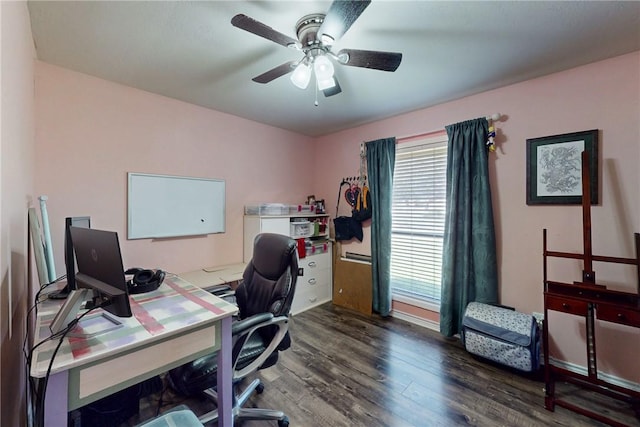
column 56, row 400
column 225, row 376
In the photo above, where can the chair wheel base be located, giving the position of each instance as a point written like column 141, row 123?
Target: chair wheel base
column 283, row 422
column 260, row 388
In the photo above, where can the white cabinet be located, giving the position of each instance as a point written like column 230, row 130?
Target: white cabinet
column 314, row 285
column 254, row 225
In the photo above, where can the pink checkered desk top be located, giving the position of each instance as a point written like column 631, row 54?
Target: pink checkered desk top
column 175, row 307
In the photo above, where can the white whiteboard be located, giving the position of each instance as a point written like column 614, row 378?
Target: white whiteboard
column 172, row 206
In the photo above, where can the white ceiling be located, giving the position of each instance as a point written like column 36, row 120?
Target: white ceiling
column 191, row 52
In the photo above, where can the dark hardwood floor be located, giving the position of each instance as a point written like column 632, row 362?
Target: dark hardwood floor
column 346, row 369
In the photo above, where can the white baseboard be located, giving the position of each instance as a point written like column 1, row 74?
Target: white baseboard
column 582, row 370
column 426, row 323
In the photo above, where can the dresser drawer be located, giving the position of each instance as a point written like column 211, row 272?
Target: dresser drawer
column 306, row 298
column 614, row 314
column 314, row 286
column 566, row 305
column 314, row 262
column 313, row 278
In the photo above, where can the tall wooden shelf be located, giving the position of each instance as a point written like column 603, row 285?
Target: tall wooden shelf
column 593, row 302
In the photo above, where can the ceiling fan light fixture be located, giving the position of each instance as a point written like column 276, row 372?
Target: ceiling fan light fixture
column 326, row 83
column 323, row 68
column 316, row 33
column 301, row 75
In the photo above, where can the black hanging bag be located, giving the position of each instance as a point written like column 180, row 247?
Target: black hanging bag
column 346, row 227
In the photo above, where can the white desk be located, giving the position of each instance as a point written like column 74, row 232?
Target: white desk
column 209, row 277
column 172, row 325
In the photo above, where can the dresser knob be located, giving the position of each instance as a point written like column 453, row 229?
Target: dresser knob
column 620, row 316
column 565, row 305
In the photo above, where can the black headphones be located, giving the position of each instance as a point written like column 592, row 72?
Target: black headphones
column 144, row 280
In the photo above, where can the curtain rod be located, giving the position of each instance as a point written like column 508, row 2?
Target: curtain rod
column 494, row 117
column 421, row 135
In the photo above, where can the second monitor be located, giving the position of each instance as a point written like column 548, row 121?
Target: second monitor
column 100, row 268
column 69, row 257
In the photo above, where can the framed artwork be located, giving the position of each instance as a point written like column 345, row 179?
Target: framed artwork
column 554, row 168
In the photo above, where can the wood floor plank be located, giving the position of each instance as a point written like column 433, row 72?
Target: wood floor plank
column 345, row 369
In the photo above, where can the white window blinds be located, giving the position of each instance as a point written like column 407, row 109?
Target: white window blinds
column 418, row 218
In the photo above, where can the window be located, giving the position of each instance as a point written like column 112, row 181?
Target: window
column 418, row 212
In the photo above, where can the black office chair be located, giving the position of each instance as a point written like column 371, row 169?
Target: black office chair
column 264, row 299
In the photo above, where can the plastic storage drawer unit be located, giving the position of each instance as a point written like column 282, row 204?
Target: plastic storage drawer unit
column 180, row 418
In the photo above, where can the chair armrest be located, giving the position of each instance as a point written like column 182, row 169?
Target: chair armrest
column 253, row 324
column 229, row 297
column 224, row 292
column 240, row 326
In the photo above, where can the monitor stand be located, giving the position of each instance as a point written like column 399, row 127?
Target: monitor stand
column 91, row 325
column 69, row 309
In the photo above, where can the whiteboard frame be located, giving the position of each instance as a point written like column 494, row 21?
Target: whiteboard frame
column 164, row 188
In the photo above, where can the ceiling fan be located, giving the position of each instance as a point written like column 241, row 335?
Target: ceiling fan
column 316, row 34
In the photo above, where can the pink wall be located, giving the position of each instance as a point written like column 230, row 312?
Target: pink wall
column 16, row 181
column 91, row 132
column 604, row 96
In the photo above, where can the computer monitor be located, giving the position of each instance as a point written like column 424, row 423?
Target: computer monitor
column 69, row 257
column 100, row 268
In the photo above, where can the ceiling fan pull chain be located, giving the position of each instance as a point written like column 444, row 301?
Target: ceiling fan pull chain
column 316, row 102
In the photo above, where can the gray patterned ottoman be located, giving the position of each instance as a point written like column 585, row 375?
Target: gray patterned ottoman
column 504, row 336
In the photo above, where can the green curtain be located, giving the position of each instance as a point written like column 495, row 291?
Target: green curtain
column 469, row 266
column 381, row 159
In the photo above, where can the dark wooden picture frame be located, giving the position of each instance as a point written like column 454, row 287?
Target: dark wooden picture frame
column 554, row 168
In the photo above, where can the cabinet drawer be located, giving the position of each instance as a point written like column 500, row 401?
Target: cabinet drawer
column 313, row 278
column 566, row 305
column 315, row 262
column 307, row 297
column 614, row 314
column 313, row 287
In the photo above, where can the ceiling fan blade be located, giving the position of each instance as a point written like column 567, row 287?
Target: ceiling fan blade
column 384, row 61
column 258, row 28
column 274, row 73
column 332, row 90
column 341, row 15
